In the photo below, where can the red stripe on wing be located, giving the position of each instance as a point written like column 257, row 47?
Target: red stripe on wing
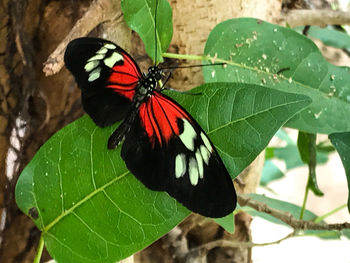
column 125, row 77
column 159, row 118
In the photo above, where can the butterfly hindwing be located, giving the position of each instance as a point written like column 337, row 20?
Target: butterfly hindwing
column 168, row 151
column 107, row 76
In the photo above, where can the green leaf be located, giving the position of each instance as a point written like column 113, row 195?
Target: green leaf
column 346, row 233
column 239, row 118
column 140, row 16
column 270, row 173
column 227, row 222
column 86, row 203
column 261, row 53
column 328, row 36
column 341, row 142
column 290, row 155
column 290, row 208
column 304, row 146
column 307, row 151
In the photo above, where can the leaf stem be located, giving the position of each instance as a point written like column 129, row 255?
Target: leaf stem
column 304, row 201
column 184, row 56
column 321, row 218
column 39, row 250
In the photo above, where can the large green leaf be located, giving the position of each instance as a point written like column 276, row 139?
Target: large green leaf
column 341, row 142
column 261, row 53
column 91, row 209
column 86, row 203
column 240, row 118
column 140, row 16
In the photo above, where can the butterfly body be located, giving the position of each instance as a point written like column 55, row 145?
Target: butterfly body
column 163, row 146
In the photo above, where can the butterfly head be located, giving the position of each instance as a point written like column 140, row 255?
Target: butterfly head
column 155, row 72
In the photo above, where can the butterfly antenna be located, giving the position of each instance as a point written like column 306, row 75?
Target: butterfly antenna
column 155, row 33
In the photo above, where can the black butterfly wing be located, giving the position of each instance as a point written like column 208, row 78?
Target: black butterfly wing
column 107, row 76
column 168, row 151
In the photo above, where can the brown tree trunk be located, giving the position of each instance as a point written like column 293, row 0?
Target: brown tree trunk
column 33, row 107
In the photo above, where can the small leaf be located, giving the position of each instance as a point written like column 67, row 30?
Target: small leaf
column 304, row 146
column 227, row 222
column 341, row 142
column 290, row 154
column 239, row 118
column 140, row 16
column 307, row 151
column 328, row 36
column 257, row 52
column 270, row 173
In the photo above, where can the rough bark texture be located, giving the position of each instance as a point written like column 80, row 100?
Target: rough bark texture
column 29, row 32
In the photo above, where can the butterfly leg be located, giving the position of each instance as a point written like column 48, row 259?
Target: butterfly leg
column 166, row 80
column 119, row 134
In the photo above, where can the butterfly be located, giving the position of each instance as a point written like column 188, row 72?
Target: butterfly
column 163, row 146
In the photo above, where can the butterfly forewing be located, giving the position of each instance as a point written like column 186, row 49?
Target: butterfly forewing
column 107, row 76
column 173, row 154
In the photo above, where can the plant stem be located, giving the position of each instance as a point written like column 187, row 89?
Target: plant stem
column 203, row 57
column 321, row 218
column 305, row 199
column 183, row 56
column 39, row 250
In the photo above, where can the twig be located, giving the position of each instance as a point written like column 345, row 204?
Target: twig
column 302, row 17
column 288, row 217
column 99, row 11
column 235, row 244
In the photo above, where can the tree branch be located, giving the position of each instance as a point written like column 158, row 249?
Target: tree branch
column 303, row 17
column 233, row 244
column 288, row 217
column 99, row 11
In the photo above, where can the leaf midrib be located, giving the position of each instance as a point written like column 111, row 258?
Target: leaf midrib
column 257, row 113
column 86, row 198
column 306, row 87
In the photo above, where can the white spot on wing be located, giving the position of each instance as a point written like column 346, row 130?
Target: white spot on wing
column 110, row 46
column 206, row 142
column 199, row 160
column 94, row 74
column 188, row 135
column 91, row 65
column 193, row 171
column 102, row 50
column 96, row 57
column 205, row 154
column 110, row 61
column 180, row 165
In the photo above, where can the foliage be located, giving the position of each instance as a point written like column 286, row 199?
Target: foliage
column 274, row 76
